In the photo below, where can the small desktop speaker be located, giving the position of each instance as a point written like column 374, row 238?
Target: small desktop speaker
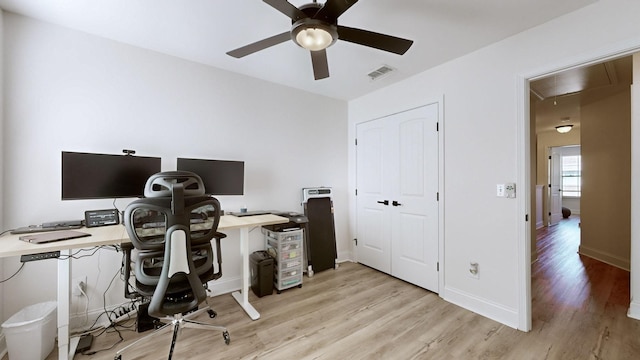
column 261, row 264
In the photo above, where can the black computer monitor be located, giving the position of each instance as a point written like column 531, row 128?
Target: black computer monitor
column 101, row 176
column 220, row 177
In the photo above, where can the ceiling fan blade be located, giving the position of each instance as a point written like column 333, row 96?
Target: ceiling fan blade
column 320, row 64
column 260, row 45
column 375, row 40
column 287, row 8
column 333, row 8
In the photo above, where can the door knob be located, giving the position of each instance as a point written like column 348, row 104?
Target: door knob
column 395, row 203
column 385, row 202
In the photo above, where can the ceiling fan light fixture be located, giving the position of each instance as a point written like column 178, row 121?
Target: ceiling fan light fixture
column 314, row 39
column 314, row 35
column 563, row 129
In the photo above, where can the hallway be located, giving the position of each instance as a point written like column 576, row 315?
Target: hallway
column 569, row 287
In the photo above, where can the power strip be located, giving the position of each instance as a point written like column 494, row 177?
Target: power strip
column 40, row 256
column 130, row 315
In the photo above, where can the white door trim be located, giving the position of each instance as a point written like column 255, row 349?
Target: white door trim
column 441, row 177
column 524, row 162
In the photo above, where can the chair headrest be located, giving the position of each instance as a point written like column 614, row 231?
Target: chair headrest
column 160, row 184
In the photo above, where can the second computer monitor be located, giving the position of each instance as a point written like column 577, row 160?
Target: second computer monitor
column 220, row 177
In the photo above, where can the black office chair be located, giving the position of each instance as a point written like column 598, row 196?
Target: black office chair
column 171, row 229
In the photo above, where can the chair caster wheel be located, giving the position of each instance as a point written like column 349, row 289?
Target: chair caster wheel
column 227, row 338
column 118, row 357
column 212, row 314
column 300, row 286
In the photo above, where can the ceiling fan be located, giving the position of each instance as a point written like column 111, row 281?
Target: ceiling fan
column 315, row 27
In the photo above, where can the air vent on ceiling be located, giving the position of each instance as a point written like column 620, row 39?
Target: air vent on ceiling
column 380, row 72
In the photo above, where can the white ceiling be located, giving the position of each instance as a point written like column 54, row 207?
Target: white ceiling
column 204, row 30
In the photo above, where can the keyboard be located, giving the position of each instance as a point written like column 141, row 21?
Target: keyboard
column 251, row 213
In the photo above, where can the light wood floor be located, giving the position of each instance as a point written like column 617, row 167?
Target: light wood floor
column 355, row 312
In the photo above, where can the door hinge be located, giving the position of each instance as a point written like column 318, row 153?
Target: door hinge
column 526, row 217
column 356, row 192
column 356, row 142
column 437, row 196
column 549, row 157
column 549, row 213
column 437, row 126
column 438, row 266
column 549, row 185
column 356, row 240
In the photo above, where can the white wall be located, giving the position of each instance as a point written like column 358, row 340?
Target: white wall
column 482, row 106
column 66, row 90
column 605, row 227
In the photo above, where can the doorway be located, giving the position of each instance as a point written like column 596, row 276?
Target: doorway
column 564, row 184
column 538, row 125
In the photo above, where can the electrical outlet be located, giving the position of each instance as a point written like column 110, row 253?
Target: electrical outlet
column 474, row 269
column 500, row 190
column 510, row 190
column 77, row 284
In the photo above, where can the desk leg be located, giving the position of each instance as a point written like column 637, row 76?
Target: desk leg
column 66, row 348
column 64, row 279
column 242, row 296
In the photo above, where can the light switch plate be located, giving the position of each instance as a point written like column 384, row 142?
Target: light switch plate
column 500, row 190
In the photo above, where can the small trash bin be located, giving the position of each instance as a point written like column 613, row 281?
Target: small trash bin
column 261, row 273
column 31, row 332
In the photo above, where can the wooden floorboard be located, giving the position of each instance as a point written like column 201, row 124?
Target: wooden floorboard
column 354, row 312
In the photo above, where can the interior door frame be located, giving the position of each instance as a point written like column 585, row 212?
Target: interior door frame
column 439, row 101
column 554, row 182
column 524, row 175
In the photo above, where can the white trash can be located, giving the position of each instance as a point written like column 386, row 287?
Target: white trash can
column 31, row 332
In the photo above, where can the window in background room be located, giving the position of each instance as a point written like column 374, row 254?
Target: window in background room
column 571, row 175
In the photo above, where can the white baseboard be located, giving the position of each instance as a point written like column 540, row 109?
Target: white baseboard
column 482, row 306
column 607, row 258
column 345, row 256
column 634, row 310
column 3, row 345
column 80, row 322
column 224, row 286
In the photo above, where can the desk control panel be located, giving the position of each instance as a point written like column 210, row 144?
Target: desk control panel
column 40, row 256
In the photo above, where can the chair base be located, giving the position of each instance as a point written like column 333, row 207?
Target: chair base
column 179, row 322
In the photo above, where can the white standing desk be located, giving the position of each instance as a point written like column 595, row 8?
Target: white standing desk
column 229, row 222
column 11, row 245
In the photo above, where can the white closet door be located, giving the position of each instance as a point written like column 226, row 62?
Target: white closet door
column 397, row 184
column 414, row 249
column 373, row 220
